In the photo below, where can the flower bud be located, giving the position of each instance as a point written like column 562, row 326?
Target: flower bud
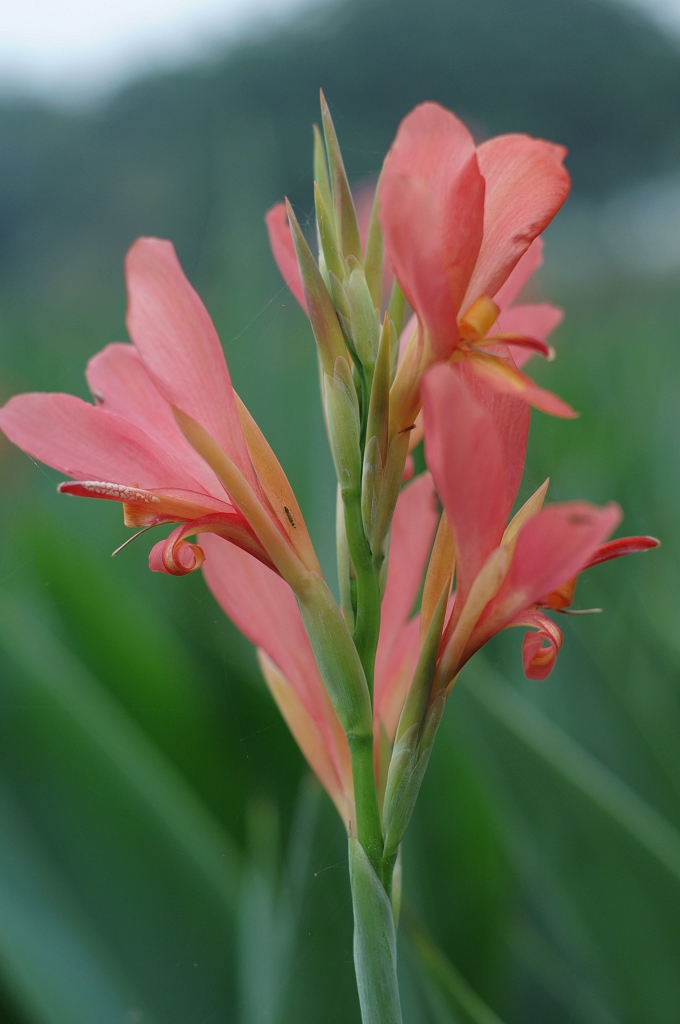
column 322, row 315
column 342, row 409
column 345, row 214
column 363, row 318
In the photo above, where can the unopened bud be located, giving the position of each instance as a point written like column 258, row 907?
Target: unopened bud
column 363, row 317
column 345, row 214
column 322, row 315
column 342, row 409
column 371, row 484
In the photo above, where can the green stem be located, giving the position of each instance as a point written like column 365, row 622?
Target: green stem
column 369, row 829
column 367, row 620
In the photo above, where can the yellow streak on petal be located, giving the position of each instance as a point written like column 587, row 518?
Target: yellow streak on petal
column 230, row 476
column 439, row 576
column 529, row 508
column 276, row 488
column 336, row 778
column 485, row 587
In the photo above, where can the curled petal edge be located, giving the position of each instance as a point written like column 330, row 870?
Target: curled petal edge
column 540, row 647
column 177, row 557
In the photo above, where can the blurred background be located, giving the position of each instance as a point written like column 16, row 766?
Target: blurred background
column 164, row 856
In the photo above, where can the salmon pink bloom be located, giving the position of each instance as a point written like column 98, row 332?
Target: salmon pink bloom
column 506, row 575
column 459, row 221
column 167, row 436
column 264, row 609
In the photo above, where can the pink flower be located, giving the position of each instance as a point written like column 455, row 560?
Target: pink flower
column 459, row 222
column 264, row 609
column 475, row 441
column 128, row 447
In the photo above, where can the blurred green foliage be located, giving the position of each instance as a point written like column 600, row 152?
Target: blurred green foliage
column 164, row 856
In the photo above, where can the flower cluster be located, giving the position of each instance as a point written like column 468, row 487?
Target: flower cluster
column 413, row 309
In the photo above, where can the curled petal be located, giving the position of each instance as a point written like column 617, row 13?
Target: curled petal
column 536, row 321
column 176, row 556
column 621, row 546
column 539, row 649
column 283, row 250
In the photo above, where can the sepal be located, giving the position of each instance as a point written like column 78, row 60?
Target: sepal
column 342, row 410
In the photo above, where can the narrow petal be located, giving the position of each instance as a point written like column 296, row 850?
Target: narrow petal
column 311, row 741
column 506, row 379
column 283, row 250
column 622, row 546
column 120, row 384
column 431, row 209
column 262, row 606
column 176, row 556
column 393, row 678
column 178, row 344
column 526, row 185
column 525, row 268
column 469, row 426
column 552, row 547
column 150, row 507
column 88, row 443
column 415, row 520
column 537, row 321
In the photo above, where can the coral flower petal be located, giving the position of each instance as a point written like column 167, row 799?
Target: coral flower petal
column 283, row 250
column 468, row 426
column 622, row 546
column 552, row 547
column 537, row 321
column 89, row 443
column 507, row 379
column 178, row 344
column 526, row 185
column 431, row 202
column 527, row 265
column 540, row 648
column 120, row 384
column 262, row 606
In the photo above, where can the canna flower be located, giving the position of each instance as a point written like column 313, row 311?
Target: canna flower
column 459, row 222
column 167, row 436
column 506, row 575
column 264, row 609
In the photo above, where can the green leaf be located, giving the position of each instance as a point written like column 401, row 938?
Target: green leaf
column 375, row 943
column 465, row 1005
column 578, row 767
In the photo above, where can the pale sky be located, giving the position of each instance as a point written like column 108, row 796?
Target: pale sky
column 77, row 49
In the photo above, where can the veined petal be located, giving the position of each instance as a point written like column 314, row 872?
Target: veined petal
column 88, row 443
column 311, row 742
column 526, row 266
column 120, row 384
column 262, row 606
column 178, row 344
column 283, row 250
column 431, row 210
column 468, row 426
column 508, row 380
column 526, row 185
column 177, row 557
